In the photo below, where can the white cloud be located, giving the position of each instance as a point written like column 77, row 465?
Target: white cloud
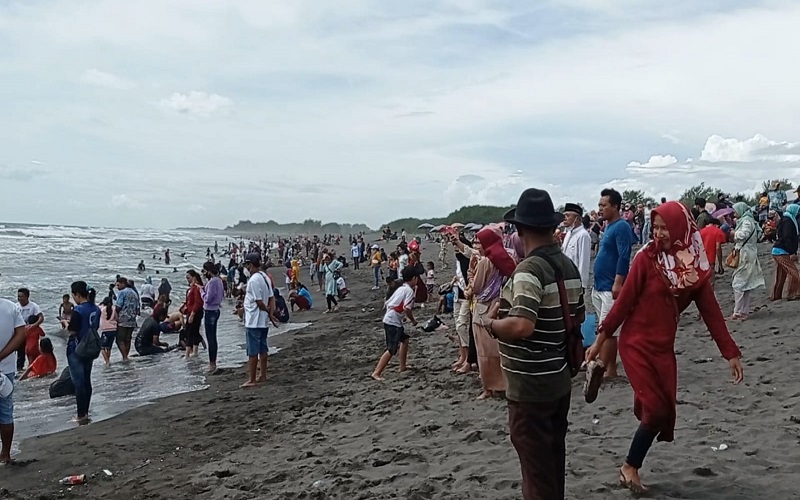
column 654, row 162
column 351, row 100
column 102, row 79
column 197, row 103
column 124, row 201
column 757, row 148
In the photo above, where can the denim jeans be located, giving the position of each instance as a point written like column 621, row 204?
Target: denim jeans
column 80, row 371
column 377, row 271
column 212, row 317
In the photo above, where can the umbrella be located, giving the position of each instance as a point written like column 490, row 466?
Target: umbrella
column 722, row 212
column 425, row 226
column 456, row 224
column 437, row 229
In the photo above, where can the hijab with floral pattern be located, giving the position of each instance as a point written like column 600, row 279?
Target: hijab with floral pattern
column 684, row 265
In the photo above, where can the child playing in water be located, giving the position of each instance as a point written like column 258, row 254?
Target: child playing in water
column 45, row 364
column 108, row 328
column 32, row 335
column 65, row 311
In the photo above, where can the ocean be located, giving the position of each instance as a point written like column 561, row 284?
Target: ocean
column 47, row 259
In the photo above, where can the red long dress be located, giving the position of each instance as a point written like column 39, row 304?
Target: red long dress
column 650, row 314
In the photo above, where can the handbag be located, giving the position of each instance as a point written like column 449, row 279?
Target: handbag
column 575, row 352
column 89, row 347
column 732, row 260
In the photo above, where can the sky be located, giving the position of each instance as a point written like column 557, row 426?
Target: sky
column 165, row 113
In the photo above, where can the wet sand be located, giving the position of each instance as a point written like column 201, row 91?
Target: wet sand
column 321, row 428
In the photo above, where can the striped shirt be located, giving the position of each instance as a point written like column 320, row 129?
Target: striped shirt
column 536, row 367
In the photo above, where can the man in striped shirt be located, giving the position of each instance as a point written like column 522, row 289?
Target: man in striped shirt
column 532, row 338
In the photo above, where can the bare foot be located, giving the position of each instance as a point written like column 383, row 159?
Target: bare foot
column 465, row 368
column 248, row 384
column 377, row 377
column 261, row 380
column 212, row 368
column 485, row 395
column 629, row 478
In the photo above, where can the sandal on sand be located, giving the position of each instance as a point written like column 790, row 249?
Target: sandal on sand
column 636, row 489
column 594, row 379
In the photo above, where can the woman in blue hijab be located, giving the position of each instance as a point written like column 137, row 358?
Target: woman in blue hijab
column 784, row 251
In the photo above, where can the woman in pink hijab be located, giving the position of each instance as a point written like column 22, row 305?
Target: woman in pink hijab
column 494, row 265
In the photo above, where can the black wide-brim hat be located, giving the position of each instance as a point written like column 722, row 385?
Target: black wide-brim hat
column 534, row 209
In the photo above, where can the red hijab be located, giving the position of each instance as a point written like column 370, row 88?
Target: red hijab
column 685, row 265
column 491, row 239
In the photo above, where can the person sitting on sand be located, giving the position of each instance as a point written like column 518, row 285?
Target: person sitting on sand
column 673, row 270
column 65, row 311
column 32, row 336
column 300, row 297
column 45, row 364
column 400, row 304
column 281, row 310
column 341, row 288
column 147, row 341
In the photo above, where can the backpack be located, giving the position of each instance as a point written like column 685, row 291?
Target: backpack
column 574, row 338
column 89, row 347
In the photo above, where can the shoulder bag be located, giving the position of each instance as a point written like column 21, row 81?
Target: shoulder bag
column 732, row 260
column 575, row 352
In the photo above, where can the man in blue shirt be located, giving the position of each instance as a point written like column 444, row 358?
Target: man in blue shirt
column 611, row 268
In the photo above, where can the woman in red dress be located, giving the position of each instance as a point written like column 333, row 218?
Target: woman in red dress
column 667, row 275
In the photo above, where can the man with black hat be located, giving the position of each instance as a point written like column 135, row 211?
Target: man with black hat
column 577, row 243
column 531, row 330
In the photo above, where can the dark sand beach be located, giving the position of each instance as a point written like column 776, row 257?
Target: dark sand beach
column 321, row 428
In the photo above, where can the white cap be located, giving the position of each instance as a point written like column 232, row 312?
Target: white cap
column 375, row 247
column 6, row 386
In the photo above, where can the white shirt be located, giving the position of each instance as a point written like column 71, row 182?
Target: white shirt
column 148, row 291
column 401, row 300
column 355, row 251
column 31, row 309
column 258, row 288
column 340, row 284
column 402, row 262
column 578, row 247
column 10, row 319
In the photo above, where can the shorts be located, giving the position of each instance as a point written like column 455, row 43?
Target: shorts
column 107, row 339
column 148, row 302
column 395, row 335
column 124, row 334
column 257, row 341
column 602, row 302
column 7, row 405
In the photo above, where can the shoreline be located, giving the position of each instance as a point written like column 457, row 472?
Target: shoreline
column 321, row 428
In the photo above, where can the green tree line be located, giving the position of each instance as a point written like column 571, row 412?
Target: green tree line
column 479, row 214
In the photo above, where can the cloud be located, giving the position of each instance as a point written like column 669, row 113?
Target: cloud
column 20, row 174
column 735, row 165
column 124, row 201
column 199, row 104
column 387, row 104
column 654, row 162
column 757, row 148
column 102, row 79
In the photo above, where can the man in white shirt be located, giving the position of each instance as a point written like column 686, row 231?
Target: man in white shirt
column 12, row 337
column 259, row 308
column 27, row 308
column 577, row 243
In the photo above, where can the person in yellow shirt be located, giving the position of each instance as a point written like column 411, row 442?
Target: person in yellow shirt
column 375, row 262
column 295, row 271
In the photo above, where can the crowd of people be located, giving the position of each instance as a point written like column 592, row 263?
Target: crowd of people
column 515, row 289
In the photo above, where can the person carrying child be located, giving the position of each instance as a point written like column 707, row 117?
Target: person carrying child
column 32, row 336
column 45, row 364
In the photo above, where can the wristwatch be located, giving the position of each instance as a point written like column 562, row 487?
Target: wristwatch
column 489, row 328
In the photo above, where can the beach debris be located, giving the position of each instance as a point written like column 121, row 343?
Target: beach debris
column 704, row 472
column 595, row 421
column 145, row 464
column 73, row 480
column 107, row 472
column 721, row 447
column 320, row 483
